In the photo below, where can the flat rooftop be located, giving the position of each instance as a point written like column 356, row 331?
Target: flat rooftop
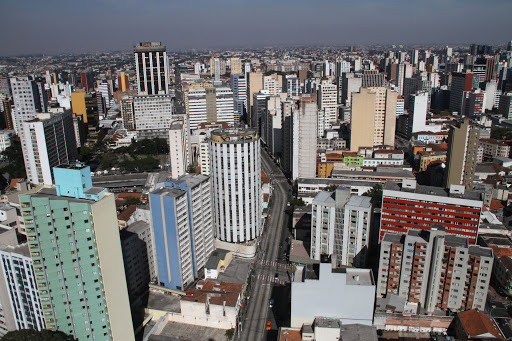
column 359, row 201
column 163, row 302
column 476, row 250
column 188, row 332
column 431, row 190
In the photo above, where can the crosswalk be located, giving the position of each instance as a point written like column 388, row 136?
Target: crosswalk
column 274, row 263
column 272, row 279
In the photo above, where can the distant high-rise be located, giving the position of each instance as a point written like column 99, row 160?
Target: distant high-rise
column 236, row 66
column 373, row 120
column 473, row 103
column 153, row 115
column 152, row 68
column 235, row 168
column 254, row 85
column 462, row 154
column 210, row 104
column 239, row 87
column 27, row 100
column 179, row 146
column 460, row 82
column 76, row 251
column 47, row 141
column 328, row 100
column 123, row 82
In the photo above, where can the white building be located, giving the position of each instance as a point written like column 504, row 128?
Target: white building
column 273, row 84
column 340, row 227
column 418, row 113
column 328, row 100
column 210, row 105
column 6, row 139
column 179, row 146
column 348, row 296
column 236, row 175
column 239, row 88
column 404, row 70
column 27, row 101
column 152, row 68
column 21, row 306
column 47, row 141
column 153, row 115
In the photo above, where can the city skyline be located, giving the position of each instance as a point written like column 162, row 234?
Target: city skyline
column 115, row 25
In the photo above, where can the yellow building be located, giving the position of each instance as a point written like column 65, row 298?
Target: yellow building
column 236, row 66
column 324, row 169
column 78, row 104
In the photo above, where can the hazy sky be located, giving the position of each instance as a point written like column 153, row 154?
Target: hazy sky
column 54, row 26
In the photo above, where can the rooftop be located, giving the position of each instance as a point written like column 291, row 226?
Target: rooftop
column 429, row 190
column 163, row 302
column 360, row 201
column 479, row 251
column 477, row 323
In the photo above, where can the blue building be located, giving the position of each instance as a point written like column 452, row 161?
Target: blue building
column 182, row 210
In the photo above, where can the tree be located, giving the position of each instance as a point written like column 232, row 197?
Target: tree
column 132, row 201
column 297, row 203
column 376, row 194
column 34, row 335
column 229, row 333
column 501, row 133
column 16, row 165
column 331, row 188
column 191, row 169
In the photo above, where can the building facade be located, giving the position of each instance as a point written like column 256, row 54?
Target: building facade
column 152, row 68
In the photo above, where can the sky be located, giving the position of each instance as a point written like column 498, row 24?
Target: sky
column 72, row 26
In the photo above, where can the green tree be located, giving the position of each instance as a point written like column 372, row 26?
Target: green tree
column 191, row 169
column 14, row 157
column 331, row 188
column 499, row 133
column 376, row 194
column 132, row 201
column 229, row 333
column 34, row 335
column 297, row 202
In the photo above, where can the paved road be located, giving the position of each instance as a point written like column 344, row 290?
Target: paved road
column 265, row 266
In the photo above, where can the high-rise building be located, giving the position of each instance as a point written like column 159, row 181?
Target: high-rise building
column 273, row 83
column 26, row 100
column 404, row 70
column 373, row 118
column 299, row 131
column 328, row 100
column 292, row 86
column 153, row 115
column 123, row 81
column 239, row 87
column 371, row 79
column 410, row 206
column 7, row 104
column 210, row 104
column 182, row 215
column 259, row 107
column 505, row 105
column 20, row 304
column 87, row 80
column 340, row 227
column 462, row 154
column 152, row 68
column 435, row 270
column 460, row 82
column 418, row 113
column 74, row 244
column 236, row 179
column 254, row 85
column 351, row 84
column 47, row 141
column 179, row 154
column 128, row 112
column 473, row 103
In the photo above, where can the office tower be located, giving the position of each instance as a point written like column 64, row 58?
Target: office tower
column 274, row 115
column 273, row 83
column 239, row 87
column 435, row 270
column 372, row 79
column 373, row 118
column 152, row 68
column 292, row 86
column 414, row 57
column 236, row 66
column 216, row 69
column 78, row 104
column 404, row 70
column 409, row 206
column 236, row 180
column 181, row 210
column 26, row 99
column 179, row 155
column 210, row 105
column 342, row 67
column 505, row 106
column 104, row 96
column 418, row 113
column 21, row 307
column 76, row 251
column 123, row 82
column 473, row 103
column 351, row 84
column 340, row 227
column 415, row 84
column 254, row 85
column 328, row 100
column 299, row 131
column 47, row 141
column 460, row 82
column 7, row 104
column 462, row 154
column 153, row 115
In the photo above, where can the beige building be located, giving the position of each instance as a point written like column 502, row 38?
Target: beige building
column 462, row 154
column 373, row 118
column 254, row 85
column 236, row 66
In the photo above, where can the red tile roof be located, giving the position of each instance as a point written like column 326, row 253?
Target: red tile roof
column 496, row 205
column 477, row 323
column 127, row 213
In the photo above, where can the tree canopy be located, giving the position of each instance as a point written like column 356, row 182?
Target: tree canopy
column 34, row 335
column 376, row 194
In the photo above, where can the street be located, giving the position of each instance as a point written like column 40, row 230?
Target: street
column 266, row 265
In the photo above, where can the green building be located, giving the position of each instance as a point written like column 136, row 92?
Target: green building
column 74, row 243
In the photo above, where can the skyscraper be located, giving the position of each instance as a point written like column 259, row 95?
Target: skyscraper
column 152, row 67
column 460, row 82
column 254, row 85
column 27, row 100
column 74, row 243
column 236, row 178
column 328, row 100
column 462, row 154
column 239, row 87
column 47, row 141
